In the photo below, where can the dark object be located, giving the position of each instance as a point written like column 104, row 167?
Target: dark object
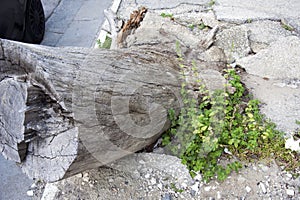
column 22, row 20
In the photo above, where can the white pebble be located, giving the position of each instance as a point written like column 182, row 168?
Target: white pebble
column 142, row 162
column 289, row 176
column 290, row 192
column 30, row 193
column 195, row 187
column 292, row 144
column 264, row 168
column 263, row 187
column 79, row 175
column 198, row 177
column 184, row 185
column 160, row 186
column 153, row 181
column 147, row 176
column 227, row 151
column 207, row 189
column 248, row 189
column 86, row 179
column 219, row 195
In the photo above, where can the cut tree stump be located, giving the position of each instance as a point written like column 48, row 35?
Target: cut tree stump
column 66, row 110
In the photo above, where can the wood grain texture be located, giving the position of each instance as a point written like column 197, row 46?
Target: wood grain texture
column 66, row 110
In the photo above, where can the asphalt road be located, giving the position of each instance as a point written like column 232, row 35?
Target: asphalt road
column 75, row 23
column 69, row 23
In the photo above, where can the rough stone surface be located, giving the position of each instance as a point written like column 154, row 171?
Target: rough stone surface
column 280, row 102
column 158, row 30
column 213, row 54
column 161, row 177
column 234, row 42
column 196, row 18
column 273, row 77
column 212, row 79
column 157, row 4
column 50, row 191
column 263, row 33
column 279, row 61
column 145, row 176
column 240, row 11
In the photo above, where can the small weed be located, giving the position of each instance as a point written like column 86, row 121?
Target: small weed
column 202, row 26
column 167, row 15
column 286, row 26
column 249, row 21
column 224, row 120
column 191, row 26
column 211, row 3
column 175, row 189
column 106, row 44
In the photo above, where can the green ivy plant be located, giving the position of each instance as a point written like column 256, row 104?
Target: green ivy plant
column 106, row 44
column 224, row 125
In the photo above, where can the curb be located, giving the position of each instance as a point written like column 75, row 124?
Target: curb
column 105, row 26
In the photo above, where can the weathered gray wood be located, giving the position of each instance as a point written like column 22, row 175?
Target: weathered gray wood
column 66, row 110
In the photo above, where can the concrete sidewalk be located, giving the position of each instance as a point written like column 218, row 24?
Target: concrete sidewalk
column 75, row 23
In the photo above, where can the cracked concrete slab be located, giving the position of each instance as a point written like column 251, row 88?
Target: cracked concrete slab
column 279, row 61
column 240, row 11
column 158, row 4
column 274, row 78
column 155, row 30
column 234, row 42
column 263, row 33
column 280, row 101
column 196, row 18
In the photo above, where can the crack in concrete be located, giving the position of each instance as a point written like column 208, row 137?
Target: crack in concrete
column 51, row 158
column 178, row 5
column 53, row 11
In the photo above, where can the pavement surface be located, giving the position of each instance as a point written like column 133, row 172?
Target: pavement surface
column 69, row 23
column 14, row 184
column 75, row 23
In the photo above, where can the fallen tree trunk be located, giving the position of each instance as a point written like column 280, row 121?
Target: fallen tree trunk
column 66, row 110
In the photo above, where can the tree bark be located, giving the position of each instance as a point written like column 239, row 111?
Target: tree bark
column 66, row 110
